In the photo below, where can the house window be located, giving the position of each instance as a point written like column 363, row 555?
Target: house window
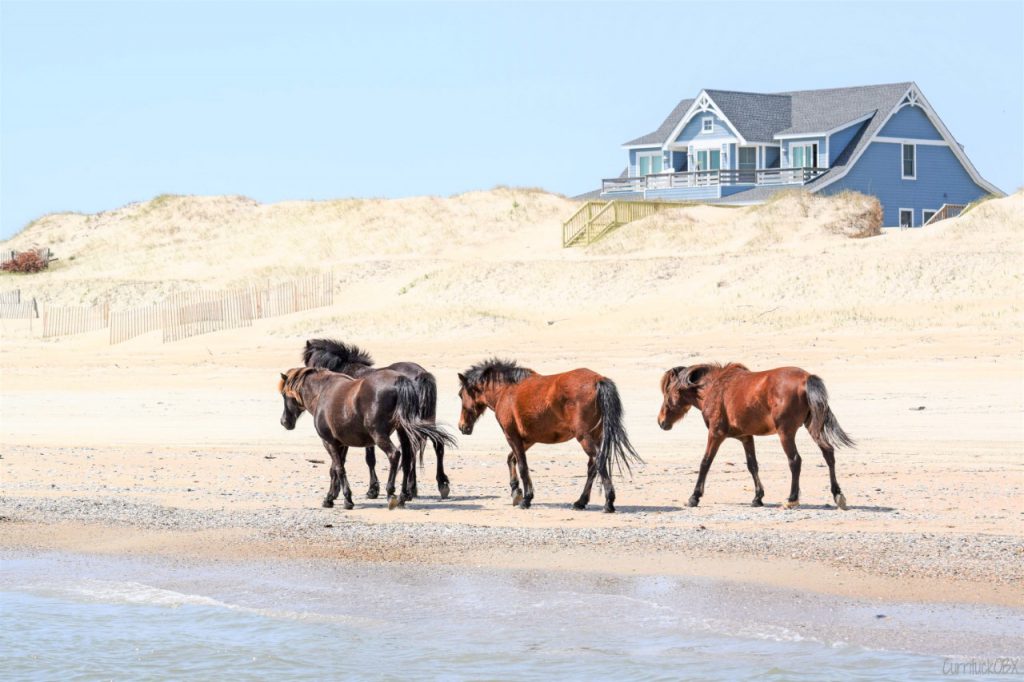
column 648, row 164
column 906, row 217
column 707, row 125
column 909, row 162
column 804, row 155
column 709, row 159
column 926, row 215
column 748, row 158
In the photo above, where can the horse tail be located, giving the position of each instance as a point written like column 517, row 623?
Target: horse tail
column 407, row 418
column 615, row 443
column 426, row 387
column 823, row 424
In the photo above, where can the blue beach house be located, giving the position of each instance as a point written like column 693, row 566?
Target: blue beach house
column 742, row 147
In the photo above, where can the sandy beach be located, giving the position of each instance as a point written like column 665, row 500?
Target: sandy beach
column 145, row 448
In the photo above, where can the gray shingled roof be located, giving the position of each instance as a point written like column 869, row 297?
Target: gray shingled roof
column 761, row 116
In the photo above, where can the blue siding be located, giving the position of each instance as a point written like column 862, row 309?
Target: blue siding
column 940, row 180
column 686, row 193
column 692, row 130
column 771, row 157
column 838, row 141
column 910, row 122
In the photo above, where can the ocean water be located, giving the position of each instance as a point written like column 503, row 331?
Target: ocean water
column 74, row 617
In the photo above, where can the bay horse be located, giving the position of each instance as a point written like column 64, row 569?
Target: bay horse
column 737, row 403
column 359, row 412
column 533, row 408
column 352, row 360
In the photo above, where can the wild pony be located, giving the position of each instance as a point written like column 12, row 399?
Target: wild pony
column 737, row 403
column 533, row 408
column 359, row 412
column 352, row 360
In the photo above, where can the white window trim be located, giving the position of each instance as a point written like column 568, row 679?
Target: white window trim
column 655, row 154
column 704, row 130
column 808, row 153
column 739, row 148
column 926, row 219
column 899, row 217
column 902, row 175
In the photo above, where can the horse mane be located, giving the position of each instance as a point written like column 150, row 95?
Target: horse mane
column 334, row 355
column 292, row 380
column 673, row 376
column 496, row 370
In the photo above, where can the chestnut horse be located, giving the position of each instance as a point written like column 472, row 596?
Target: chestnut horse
column 737, row 403
column 352, row 360
column 533, row 408
column 350, row 412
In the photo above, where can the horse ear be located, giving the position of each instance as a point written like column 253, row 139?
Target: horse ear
column 694, row 375
column 462, row 379
column 284, row 377
column 308, row 344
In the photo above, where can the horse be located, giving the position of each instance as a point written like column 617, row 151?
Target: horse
column 359, row 412
column 533, row 408
column 737, row 403
column 352, row 360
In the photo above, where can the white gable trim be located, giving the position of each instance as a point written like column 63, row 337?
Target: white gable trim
column 913, row 98
column 912, row 140
column 703, row 104
column 649, row 145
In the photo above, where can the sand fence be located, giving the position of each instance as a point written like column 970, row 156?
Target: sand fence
column 191, row 313
column 12, row 307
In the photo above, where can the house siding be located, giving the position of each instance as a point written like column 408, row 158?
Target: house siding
column 941, row 179
column 839, row 140
column 692, row 130
column 686, row 193
column 910, row 122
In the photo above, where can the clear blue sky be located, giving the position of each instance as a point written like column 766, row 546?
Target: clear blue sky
column 106, row 103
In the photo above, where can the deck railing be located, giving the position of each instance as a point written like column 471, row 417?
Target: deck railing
column 596, row 218
column 946, row 211
column 710, row 178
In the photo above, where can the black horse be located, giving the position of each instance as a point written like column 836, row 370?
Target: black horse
column 352, row 360
column 360, row 412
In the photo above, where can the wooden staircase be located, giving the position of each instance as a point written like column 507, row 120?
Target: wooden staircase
column 595, row 219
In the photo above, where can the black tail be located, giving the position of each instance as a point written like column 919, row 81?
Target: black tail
column 823, row 424
column 408, row 418
column 615, row 443
column 426, row 388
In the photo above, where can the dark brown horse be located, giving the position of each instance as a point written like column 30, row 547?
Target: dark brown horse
column 532, row 408
column 359, row 412
column 737, row 403
column 352, row 360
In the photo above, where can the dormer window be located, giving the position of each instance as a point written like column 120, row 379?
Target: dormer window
column 708, row 125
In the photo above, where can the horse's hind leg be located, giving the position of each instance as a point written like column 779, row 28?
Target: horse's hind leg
column 748, row 448
column 829, row 453
column 591, row 449
column 394, row 456
column 371, row 462
column 789, row 446
column 336, row 468
column 513, row 480
column 443, row 484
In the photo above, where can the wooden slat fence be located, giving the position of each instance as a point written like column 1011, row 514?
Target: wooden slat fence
column 13, row 296
column 9, row 254
column 188, row 314
column 306, row 293
column 64, row 321
column 23, row 310
column 127, row 324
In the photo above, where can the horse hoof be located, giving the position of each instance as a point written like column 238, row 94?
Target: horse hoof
column 608, row 509
column 328, row 504
column 841, row 501
column 791, row 504
column 414, row 492
column 517, row 499
column 392, row 502
column 757, row 502
column 579, row 505
column 373, row 493
column 525, row 504
column 444, row 490
column 349, row 505
column 693, row 502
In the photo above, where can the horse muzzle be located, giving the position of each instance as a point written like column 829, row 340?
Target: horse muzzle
column 466, row 429
column 288, row 424
column 665, row 424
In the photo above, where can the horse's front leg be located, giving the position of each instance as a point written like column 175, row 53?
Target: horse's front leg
column 519, row 448
column 513, row 480
column 714, row 442
column 371, row 463
column 748, row 448
column 335, row 472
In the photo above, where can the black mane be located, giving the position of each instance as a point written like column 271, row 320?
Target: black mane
column 334, row 355
column 498, row 370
